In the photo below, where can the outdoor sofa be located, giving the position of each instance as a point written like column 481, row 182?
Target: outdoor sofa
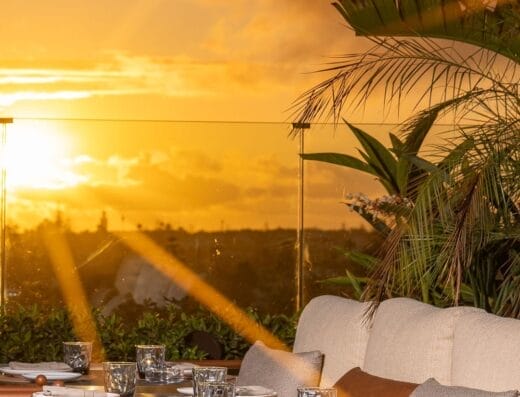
column 411, row 341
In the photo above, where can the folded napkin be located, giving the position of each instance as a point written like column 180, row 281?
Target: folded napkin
column 59, row 391
column 43, row 366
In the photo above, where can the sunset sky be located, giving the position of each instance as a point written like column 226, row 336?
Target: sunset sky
column 176, row 60
column 167, row 59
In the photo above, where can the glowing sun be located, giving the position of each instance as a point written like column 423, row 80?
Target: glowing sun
column 35, row 157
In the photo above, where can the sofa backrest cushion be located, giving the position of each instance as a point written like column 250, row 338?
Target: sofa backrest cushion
column 337, row 328
column 412, row 341
column 486, row 352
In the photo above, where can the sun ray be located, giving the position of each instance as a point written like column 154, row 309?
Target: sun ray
column 184, row 277
column 72, row 289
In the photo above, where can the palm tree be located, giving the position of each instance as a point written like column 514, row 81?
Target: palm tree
column 494, row 25
column 461, row 239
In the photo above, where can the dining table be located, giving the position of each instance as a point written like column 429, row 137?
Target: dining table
column 16, row 386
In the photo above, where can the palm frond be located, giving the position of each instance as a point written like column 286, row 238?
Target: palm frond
column 344, row 160
column 402, row 66
column 467, row 203
column 492, row 26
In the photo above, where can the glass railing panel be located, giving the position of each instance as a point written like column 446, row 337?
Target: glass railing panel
column 131, row 216
column 332, row 230
column 220, row 199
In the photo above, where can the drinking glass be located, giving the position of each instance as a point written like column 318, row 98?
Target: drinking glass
column 316, row 392
column 120, row 377
column 216, row 389
column 166, row 373
column 207, row 374
column 77, row 355
column 149, row 356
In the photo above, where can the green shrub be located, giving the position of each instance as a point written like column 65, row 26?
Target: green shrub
column 35, row 334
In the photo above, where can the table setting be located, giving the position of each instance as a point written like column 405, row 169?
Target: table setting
column 207, row 381
column 76, row 364
column 149, row 374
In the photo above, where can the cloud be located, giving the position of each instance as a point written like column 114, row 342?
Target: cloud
column 181, row 160
column 276, row 31
column 126, row 75
column 121, row 75
column 188, row 186
column 8, row 99
column 244, row 46
column 175, row 186
column 135, row 185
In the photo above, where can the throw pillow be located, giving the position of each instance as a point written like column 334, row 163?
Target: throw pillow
column 433, row 388
column 356, row 383
column 279, row 370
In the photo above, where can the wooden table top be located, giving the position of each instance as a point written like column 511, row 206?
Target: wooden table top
column 11, row 386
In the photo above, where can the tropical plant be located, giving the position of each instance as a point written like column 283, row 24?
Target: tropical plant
column 391, row 167
column 462, row 237
column 494, row 25
column 460, row 240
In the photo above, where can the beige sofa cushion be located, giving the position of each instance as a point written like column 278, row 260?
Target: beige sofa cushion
column 432, row 388
column 486, row 352
column 335, row 326
column 412, row 341
column 279, row 370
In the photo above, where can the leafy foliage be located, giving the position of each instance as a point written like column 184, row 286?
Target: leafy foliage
column 396, row 170
column 460, row 240
column 463, row 234
column 35, row 334
column 465, row 80
column 493, row 25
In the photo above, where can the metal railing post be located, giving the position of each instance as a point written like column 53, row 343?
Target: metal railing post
column 300, row 244
column 3, row 197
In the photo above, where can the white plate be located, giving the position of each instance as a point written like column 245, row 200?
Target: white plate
column 242, row 391
column 10, row 371
column 52, row 375
column 68, row 392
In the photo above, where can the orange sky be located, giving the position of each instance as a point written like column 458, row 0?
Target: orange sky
column 194, row 175
column 173, row 59
column 227, row 60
